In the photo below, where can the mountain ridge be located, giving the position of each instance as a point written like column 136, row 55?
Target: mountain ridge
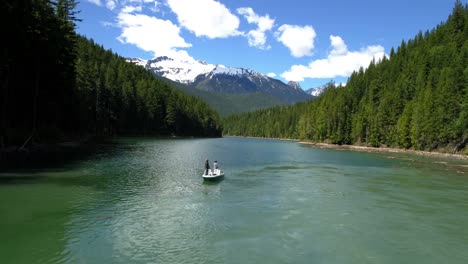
column 222, row 79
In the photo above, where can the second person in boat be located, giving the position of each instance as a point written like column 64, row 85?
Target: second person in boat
column 215, row 167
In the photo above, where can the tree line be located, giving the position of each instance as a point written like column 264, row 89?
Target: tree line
column 417, row 98
column 57, row 85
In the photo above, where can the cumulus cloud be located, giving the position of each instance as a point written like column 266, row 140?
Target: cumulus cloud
column 257, row 37
column 271, row 74
column 152, row 34
column 205, row 18
column 338, row 46
column 339, row 62
column 299, row 40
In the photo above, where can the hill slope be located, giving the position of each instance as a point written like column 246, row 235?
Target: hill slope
column 227, row 104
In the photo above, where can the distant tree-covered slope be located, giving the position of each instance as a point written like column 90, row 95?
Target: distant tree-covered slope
column 57, row 85
column 417, row 98
column 227, row 104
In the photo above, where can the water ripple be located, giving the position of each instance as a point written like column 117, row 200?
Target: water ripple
column 145, row 202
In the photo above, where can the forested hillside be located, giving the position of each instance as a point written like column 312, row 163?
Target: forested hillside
column 124, row 98
column 59, row 86
column 228, row 104
column 417, row 98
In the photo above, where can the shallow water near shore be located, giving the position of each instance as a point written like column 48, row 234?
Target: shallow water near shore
column 144, row 201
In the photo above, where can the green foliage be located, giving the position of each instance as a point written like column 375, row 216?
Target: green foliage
column 418, row 98
column 125, row 98
column 57, row 85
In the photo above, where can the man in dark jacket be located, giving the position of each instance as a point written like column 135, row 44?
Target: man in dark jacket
column 207, row 167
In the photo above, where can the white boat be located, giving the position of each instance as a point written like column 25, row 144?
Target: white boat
column 213, row 175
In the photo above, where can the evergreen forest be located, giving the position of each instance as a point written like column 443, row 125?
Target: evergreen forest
column 58, row 86
column 416, row 98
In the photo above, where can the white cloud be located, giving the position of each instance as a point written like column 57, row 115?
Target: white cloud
column 299, row 40
column 152, row 34
column 257, row 37
column 110, row 4
column 339, row 62
column 137, row 5
column 96, row 2
column 131, row 9
column 271, row 74
column 338, row 45
column 205, row 18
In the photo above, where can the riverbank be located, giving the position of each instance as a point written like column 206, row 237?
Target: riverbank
column 367, row 148
column 384, row 150
column 284, row 139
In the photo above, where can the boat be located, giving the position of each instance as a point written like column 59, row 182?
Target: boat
column 215, row 175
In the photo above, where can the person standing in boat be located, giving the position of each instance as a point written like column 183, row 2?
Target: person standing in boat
column 207, row 166
column 215, row 167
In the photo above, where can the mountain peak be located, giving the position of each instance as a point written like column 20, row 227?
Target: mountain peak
column 294, row 85
column 316, row 91
column 224, row 79
column 161, row 58
column 137, row 61
column 221, row 69
column 178, row 70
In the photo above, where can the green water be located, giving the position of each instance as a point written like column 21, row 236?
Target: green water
column 144, row 201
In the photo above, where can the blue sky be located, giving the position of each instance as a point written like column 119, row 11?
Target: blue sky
column 308, row 41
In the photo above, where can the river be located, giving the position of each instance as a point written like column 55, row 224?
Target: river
column 144, row 201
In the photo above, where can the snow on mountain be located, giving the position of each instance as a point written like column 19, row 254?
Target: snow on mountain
column 317, row 91
column 221, row 69
column 137, row 61
column 187, row 71
column 179, row 71
column 219, row 78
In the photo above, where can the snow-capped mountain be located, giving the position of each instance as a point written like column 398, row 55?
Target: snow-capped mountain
column 179, row 71
column 187, row 71
column 222, row 79
column 137, row 61
column 317, row 91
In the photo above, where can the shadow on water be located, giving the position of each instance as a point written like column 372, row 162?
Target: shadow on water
column 213, row 182
column 44, row 162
